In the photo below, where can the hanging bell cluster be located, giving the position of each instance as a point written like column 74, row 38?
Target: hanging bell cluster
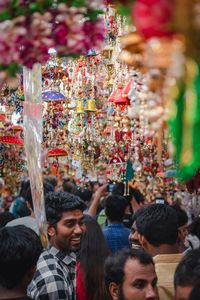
column 80, row 107
column 91, row 106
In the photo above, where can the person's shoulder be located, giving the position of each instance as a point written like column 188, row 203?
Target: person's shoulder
column 48, row 261
column 48, row 273
column 27, row 221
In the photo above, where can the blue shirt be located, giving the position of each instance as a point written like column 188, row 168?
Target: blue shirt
column 116, row 236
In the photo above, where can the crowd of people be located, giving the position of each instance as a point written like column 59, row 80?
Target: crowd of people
column 103, row 245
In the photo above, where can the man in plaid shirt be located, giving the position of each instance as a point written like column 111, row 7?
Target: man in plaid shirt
column 55, row 277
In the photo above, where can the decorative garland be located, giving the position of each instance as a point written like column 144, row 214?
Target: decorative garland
column 29, row 28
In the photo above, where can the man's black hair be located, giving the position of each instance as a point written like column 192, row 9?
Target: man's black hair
column 69, row 185
column 195, row 293
column 58, row 202
column 85, row 194
column 114, row 265
column 158, row 223
column 6, row 217
column 118, row 189
column 181, row 215
column 51, row 180
column 188, row 270
column 115, row 208
column 20, row 248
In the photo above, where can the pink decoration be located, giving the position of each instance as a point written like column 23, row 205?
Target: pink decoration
column 152, row 18
column 26, row 39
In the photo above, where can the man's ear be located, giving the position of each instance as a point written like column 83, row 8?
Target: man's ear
column 142, row 240
column 114, row 290
column 51, row 230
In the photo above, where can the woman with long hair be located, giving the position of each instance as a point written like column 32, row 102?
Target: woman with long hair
column 90, row 268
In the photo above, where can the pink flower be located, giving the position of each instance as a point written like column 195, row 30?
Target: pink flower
column 94, row 33
column 152, row 17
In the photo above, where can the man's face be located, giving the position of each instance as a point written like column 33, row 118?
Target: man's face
column 140, row 282
column 183, row 292
column 133, row 237
column 67, row 234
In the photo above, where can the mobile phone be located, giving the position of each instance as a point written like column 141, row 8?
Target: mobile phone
column 110, row 187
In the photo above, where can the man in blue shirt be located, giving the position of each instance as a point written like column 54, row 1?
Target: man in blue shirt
column 116, row 234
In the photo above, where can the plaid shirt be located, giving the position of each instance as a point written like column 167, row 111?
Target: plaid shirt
column 55, row 277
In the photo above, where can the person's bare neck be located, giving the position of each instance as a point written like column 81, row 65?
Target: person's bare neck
column 13, row 293
column 164, row 249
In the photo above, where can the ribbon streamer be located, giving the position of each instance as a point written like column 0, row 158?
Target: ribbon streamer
column 33, row 141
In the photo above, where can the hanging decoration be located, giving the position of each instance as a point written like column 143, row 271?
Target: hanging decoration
column 33, row 143
column 29, row 28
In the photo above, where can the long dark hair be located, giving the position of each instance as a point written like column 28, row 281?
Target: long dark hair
column 93, row 253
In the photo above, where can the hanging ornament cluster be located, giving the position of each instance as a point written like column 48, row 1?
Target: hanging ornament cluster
column 12, row 159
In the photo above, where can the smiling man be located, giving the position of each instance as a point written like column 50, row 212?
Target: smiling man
column 56, row 268
column 130, row 275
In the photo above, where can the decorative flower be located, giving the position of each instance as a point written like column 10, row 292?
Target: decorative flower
column 94, row 34
column 35, row 44
column 152, row 17
column 29, row 28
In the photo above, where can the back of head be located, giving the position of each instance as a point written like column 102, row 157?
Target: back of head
column 119, row 189
column 188, row 270
column 19, row 208
column 51, row 180
column 58, row 202
column 69, row 186
column 194, row 227
column 6, row 217
column 93, row 253
column 20, row 248
column 195, row 293
column 28, row 195
column 158, row 224
column 114, row 265
column 85, row 194
column 93, row 242
column 181, row 215
column 115, row 208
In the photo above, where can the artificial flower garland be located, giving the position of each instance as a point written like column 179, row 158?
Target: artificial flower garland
column 29, row 28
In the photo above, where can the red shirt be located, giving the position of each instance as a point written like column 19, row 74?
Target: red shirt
column 80, row 287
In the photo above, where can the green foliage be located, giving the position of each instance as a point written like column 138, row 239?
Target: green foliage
column 11, row 69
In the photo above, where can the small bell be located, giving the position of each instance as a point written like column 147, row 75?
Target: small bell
column 80, row 107
column 91, row 106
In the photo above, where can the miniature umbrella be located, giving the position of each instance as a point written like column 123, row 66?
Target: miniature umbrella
column 11, row 140
column 52, row 96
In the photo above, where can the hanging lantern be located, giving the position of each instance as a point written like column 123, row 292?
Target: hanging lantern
column 119, row 97
column 117, row 164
